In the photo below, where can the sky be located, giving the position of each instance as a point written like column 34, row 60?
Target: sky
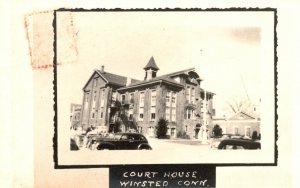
column 227, row 49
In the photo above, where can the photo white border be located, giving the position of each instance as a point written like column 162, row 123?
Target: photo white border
column 266, row 155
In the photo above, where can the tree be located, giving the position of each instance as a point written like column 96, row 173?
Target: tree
column 254, row 135
column 117, row 127
column 121, row 111
column 237, row 104
column 162, row 128
column 217, row 130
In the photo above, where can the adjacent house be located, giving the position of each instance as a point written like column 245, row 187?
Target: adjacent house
column 139, row 104
column 75, row 115
column 241, row 123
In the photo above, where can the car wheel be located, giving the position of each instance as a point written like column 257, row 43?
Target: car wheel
column 103, row 148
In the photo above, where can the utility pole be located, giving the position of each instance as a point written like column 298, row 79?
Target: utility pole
column 245, row 89
column 204, row 133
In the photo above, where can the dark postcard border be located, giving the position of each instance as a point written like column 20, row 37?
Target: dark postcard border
column 55, row 142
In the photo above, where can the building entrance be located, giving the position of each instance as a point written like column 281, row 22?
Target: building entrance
column 197, row 130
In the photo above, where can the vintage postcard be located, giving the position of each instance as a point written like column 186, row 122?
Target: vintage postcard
column 137, row 83
column 150, row 95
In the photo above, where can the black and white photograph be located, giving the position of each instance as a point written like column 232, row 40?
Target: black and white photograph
column 167, row 86
column 150, row 94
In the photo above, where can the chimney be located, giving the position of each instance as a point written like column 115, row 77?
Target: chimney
column 128, row 81
column 102, row 68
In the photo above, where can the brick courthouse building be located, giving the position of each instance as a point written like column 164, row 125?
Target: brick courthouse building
column 176, row 97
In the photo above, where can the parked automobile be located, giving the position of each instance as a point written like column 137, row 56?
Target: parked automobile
column 216, row 141
column 123, row 141
column 73, row 145
column 239, row 144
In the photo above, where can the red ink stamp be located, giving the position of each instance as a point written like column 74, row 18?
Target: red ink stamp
column 40, row 36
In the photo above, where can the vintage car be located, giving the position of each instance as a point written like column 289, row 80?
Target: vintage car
column 239, row 144
column 214, row 143
column 123, row 141
column 73, row 145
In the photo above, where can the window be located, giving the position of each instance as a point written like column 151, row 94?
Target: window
column 141, row 116
column 140, row 129
column 173, row 104
column 102, row 98
column 153, row 98
column 152, row 111
column 142, row 96
column 86, row 101
column 124, row 137
column 87, row 97
column 114, row 96
column 123, row 99
column 193, row 96
column 95, row 82
column 141, row 109
column 173, row 131
column 247, row 131
column 173, row 114
column 168, row 99
column 141, row 113
column 168, row 113
column 190, row 114
column 131, row 98
column 174, row 99
column 95, row 95
column 235, row 131
column 153, row 74
column 153, row 105
column 93, row 115
column 101, row 112
column 94, row 99
column 188, row 91
column 130, row 114
column 152, row 116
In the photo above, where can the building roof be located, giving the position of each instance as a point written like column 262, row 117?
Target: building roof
column 186, row 71
column 111, row 78
column 211, row 93
column 162, row 78
column 121, row 81
column 167, row 78
column 151, row 64
column 242, row 116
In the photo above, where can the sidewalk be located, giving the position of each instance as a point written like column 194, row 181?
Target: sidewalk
column 181, row 144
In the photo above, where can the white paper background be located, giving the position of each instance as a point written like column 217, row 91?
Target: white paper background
column 26, row 105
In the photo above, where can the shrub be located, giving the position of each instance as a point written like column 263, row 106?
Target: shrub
column 254, row 135
column 162, row 128
column 182, row 134
column 114, row 128
column 217, row 131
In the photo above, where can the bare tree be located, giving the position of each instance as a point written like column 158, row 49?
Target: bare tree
column 236, row 104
